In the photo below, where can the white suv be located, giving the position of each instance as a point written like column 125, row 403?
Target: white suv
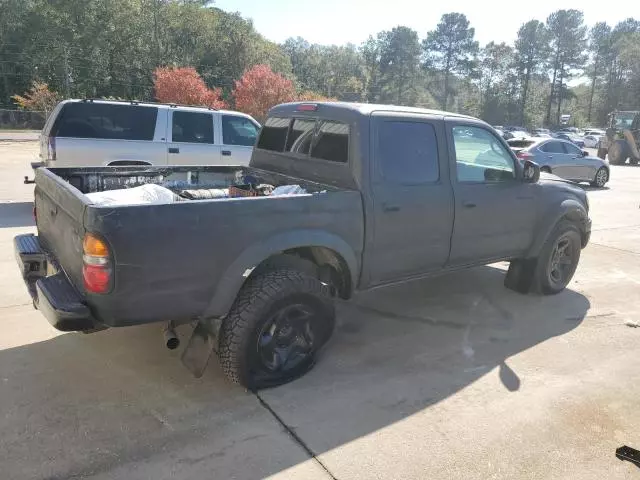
column 101, row 132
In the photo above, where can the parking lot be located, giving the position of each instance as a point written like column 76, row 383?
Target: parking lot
column 453, row 377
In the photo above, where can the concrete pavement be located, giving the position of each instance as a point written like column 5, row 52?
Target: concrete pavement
column 455, row 377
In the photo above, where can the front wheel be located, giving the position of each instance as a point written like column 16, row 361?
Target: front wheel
column 601, row 178
column 558, row 259
column 275, row 328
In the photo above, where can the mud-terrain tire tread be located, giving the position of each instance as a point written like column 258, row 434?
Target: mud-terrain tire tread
column 252, row 303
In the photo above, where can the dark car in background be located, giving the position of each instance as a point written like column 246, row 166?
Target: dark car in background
column 562, row 158
column 575, row 139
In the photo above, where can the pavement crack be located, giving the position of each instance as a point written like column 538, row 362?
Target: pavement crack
column 16, row 305
column 411, row 318
column 616, row 248
column 296, row 438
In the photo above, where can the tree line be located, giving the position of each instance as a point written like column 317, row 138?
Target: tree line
column 111, row 48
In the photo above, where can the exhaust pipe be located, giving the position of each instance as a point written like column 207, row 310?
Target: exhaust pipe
column 171, row 340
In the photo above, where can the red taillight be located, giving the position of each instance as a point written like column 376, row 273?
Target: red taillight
column 524, row 155
column 96, row 268
column 307, row 107
column 51, row 148
column 97, row 278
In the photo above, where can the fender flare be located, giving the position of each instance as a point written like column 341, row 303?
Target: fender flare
column 231, row 281
column 569, row 208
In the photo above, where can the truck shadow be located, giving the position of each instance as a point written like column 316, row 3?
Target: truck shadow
column 121, row 401
column 16, row 214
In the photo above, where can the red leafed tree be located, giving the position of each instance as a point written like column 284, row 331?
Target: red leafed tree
column 185, row 86
column 259, row 89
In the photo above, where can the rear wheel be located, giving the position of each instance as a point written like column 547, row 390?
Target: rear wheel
column 633, row 161
column 273, row 332
column 601, row 178
column 602, row 153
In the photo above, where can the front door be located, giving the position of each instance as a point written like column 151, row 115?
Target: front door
column 238, row 138
column 577, row 168
column 412, row 198
column 191, row 140
column 494, row 209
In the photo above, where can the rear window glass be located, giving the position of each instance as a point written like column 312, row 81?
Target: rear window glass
column 331, row 142
column 300, row 136
column 552, row 147
column 108, row 121
column 274, row 134
column 520, row 143
column 408, row 152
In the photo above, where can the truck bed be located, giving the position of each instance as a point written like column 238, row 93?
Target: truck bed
column 170, row 259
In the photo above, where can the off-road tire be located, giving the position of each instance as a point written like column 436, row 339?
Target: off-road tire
column 258, row 300
column 601, row 179
column 542, row 282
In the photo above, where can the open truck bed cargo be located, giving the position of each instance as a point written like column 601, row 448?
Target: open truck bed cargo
column 177, row 261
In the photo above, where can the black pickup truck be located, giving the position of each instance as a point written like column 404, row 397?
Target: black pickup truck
column 386, row 195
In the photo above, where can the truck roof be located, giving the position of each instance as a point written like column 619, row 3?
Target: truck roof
column 363, row 109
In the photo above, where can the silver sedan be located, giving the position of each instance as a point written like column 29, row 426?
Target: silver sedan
column 562, row 158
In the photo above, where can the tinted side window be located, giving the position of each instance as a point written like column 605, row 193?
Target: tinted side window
column 571, row 149
column 408, row 152
column 274, row 134
column 552, row 147
column 238, row 131
column 192, row 127
column 108, row 121
column 331, row 142
column 300, row 136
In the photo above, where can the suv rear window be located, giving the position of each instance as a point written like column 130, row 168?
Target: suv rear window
column 321, row 139
column 108, row 121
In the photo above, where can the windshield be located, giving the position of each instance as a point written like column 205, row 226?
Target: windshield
column 624, row 119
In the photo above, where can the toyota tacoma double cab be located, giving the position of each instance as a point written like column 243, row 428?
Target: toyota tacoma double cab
column 338, row 198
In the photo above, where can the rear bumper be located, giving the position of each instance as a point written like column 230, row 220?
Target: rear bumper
column 53, row 295
column 34, row 167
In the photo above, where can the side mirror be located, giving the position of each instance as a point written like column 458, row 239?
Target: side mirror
column 530, row 172
column 585, row 153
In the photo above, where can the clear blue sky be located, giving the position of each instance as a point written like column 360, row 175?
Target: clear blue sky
column 342, row 21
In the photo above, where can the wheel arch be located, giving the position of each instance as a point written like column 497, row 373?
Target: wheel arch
column 571, row 210
column 318, row 247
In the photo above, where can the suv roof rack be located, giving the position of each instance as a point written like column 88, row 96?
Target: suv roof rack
column 138, row 102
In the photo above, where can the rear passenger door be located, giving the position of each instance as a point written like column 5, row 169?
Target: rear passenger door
column 412, row 196
column 191, row 138
column 238, row 138
column 552, row 156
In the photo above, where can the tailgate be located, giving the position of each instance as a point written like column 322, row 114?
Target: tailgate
column 60, row 211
